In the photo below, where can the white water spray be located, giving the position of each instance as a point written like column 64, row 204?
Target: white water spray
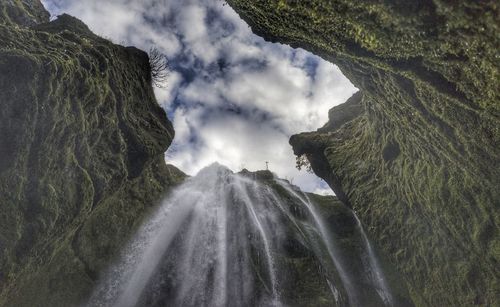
column 218, row 240
column 378, row 278
column 329, row 243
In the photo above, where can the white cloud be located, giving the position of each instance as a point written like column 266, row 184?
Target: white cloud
column 323, row 191
column 232, row 97
column 167, row 94
column 192, row 26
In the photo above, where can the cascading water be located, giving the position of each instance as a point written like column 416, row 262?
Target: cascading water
column 329, row 243
column 373, row 266
column 248, row 239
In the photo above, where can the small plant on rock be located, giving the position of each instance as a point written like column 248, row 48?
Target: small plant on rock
column 303, row 162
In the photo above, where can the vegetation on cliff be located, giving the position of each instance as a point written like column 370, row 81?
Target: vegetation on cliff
column 81, row 153
column 419, row 160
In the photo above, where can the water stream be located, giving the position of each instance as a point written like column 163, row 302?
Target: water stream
column 225, row 239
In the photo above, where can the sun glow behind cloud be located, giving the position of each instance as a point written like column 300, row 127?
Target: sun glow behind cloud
column 232, row 97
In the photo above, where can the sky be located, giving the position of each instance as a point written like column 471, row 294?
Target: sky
column 232, row 97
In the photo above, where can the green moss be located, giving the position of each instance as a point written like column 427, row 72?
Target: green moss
column 428, row 72
column 81, row 154
column 23, row 12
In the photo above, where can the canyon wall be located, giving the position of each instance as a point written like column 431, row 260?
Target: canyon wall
column 82, row 147
column 416, row 153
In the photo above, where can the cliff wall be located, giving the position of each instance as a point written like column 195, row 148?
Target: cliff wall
column 416, row 153
column 81, row 154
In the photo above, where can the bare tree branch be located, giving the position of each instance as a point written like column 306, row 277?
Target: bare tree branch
column 160, row 70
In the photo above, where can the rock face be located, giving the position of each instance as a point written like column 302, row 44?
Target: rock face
column 81, row 154
column 416, row 153
column 23, row 12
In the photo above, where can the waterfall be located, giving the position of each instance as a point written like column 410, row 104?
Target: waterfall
column 372, row 267
column 226, row 239
column 378, row 278
column 329, row 243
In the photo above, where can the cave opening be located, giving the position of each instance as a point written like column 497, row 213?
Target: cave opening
column 232, row 97
column 84, row 141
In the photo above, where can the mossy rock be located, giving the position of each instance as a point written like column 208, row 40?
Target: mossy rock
column 81, row 154
column 419, row 160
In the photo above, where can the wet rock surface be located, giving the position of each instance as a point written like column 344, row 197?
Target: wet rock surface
column 418, row 162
